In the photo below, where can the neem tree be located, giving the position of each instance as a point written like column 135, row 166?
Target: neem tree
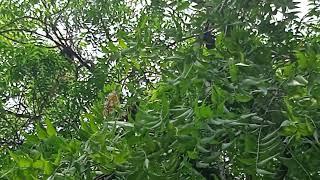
column 113, row 89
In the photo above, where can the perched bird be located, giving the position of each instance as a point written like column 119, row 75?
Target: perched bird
column 112, row 100
column 208, row 38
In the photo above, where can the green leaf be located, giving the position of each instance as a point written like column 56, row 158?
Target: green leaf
column 289, row 111
column 263, row 162
column 226, row 145
column 112, row 47
column 122, row 44
column 48, row 168
column 250, row 143
column 264, row 172
column 184, row 5
column 93, row 125
column 247, row 161
column 300, row 79
column 146, row 163
column 58, row 158
column 242, row 65
column 202, row 149
column 120, row 158
column 39, row 164
column 233, row 70
column 218, row 96
column 50, row 129
column 251, row 82
column 13, row 155
column 245, row 116
column 41, row 132
column 24, row 162
column 203, row 112
column 243, row 98
column 295, row 83
column 192, row 154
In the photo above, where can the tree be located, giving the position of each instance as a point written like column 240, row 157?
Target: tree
column 113, row 89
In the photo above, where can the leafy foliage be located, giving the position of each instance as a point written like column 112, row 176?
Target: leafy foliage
column 113, row 89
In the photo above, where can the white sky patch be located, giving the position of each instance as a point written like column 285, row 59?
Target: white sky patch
column 303, row 7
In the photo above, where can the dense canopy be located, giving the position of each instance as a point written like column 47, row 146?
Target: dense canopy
column 159, row 89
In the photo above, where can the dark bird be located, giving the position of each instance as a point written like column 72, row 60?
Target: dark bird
column 209, row 40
